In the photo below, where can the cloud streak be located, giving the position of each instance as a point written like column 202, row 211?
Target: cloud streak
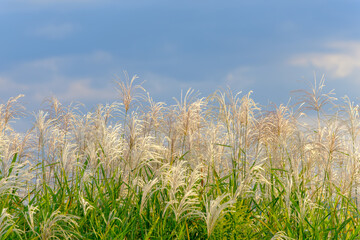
column 342, row 59
column 82, row 90
column 238, row 77
column 55, row 31
column 55, row 76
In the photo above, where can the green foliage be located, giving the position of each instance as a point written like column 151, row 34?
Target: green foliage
column 215, row 168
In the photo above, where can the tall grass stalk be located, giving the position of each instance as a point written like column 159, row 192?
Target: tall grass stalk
column 221, row 167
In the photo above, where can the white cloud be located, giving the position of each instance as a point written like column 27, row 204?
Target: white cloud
column 169, row 87
column 68, row 89
column 60, row 76
column 48, row 68
column 7, row 85
column 157, row 84
column 341, row 61
column 55, row 31
column 100, row 57
column 82, row 90
column 239, row 77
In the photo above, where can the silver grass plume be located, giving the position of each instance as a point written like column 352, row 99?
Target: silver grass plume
column 215, row 210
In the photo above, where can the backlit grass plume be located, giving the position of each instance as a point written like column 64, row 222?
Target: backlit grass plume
column 216, row 167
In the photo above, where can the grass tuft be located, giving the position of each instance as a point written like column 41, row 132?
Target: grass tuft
column 221, row 167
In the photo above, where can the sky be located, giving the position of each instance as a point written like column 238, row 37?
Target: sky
column 75, row 49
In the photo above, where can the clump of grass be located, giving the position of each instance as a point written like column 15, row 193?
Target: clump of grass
column 220, row 167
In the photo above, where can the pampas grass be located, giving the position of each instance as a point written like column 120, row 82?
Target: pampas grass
column 221, row 167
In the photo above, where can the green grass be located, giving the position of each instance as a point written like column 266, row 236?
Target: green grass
column 220, row 167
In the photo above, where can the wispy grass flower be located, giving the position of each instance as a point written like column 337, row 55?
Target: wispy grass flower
column 7, row 225
column 215, row 210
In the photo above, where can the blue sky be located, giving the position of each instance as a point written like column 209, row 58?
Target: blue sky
column 73, row 48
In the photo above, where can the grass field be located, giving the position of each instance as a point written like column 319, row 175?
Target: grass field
column 221, row 167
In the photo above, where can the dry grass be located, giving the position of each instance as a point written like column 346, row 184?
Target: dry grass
column 219, row 167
